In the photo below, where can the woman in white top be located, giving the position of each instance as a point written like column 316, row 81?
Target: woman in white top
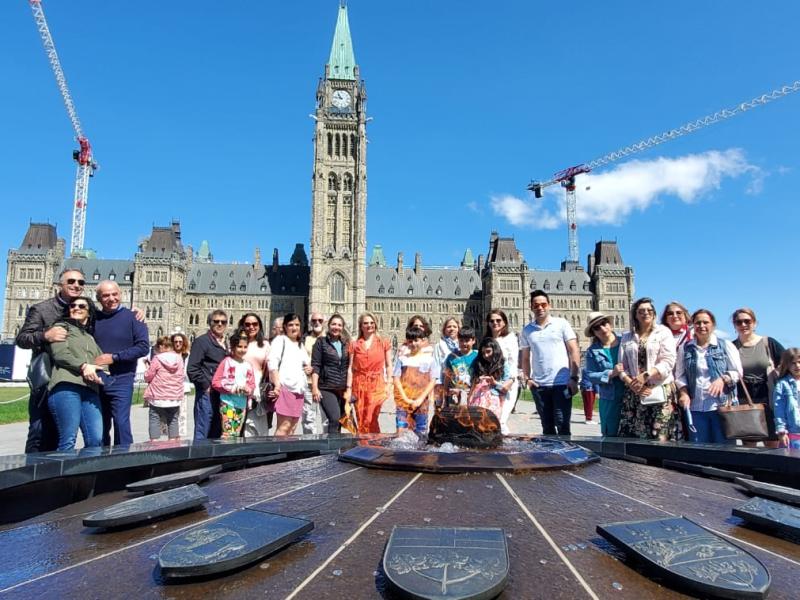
column 289, row 366
column 497, row 328
column 259, row 418
column 649, row 404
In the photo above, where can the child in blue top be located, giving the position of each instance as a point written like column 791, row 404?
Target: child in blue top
column 457, row 370
column 786, row 399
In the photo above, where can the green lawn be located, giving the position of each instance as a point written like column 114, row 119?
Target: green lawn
column 13, row 404
column 577, row 401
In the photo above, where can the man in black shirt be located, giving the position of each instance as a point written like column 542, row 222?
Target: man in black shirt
column 207, row 352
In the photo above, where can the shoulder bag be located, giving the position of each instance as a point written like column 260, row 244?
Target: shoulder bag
column 266, row 386
column 39, row 371
column 745, row 421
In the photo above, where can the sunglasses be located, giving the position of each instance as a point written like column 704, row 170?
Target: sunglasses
column 540, row 304
column 220, row 321
column 317, row 320
column 80, row 282
column 495, row 320
column 80, row 305
column 743, row 321
column 251, row 324
column 674, row 313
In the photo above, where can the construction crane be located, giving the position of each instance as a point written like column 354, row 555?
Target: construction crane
column 567, row 176
column 83, row 155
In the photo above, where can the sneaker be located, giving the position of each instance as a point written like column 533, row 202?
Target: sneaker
column 590, row 422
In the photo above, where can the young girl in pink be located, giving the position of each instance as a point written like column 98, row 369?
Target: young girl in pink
column 235, row 381
column 164, row 392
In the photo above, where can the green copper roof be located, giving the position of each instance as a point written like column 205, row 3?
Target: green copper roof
column 377, row 259
column 468, row 261
column 342, row 62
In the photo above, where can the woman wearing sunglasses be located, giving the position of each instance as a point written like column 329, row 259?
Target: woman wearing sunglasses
column 73, row 398
column 497, row 329
column 760, row 356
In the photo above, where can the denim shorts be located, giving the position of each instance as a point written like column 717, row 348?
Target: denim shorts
column 417, row 420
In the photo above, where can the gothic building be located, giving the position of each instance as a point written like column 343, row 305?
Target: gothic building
column 177, row 287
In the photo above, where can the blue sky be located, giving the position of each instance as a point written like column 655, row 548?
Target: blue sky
column 199, row 111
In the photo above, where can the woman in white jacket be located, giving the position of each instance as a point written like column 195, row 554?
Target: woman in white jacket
column 649, row 405
column 289, row 365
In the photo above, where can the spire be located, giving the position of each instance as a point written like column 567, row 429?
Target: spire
column 377, row 259
column 468, row 262
column 342, row 62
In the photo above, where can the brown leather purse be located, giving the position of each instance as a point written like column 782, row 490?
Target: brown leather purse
column 745, row 421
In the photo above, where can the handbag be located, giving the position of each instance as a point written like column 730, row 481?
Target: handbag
column 265, row 386
column 39, row 371
column 745, row 421
column 657, row 396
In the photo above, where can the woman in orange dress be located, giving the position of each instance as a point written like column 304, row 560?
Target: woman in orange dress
column 369, row 376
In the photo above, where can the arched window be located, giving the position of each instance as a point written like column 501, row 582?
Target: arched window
column 338, row 145
column 353, row 146
column 344, row 145
column 330, row 144
column 147, row 313
column 333, row 184
column 546, row 284
column 348, row 182
column 160, row 314
column 337, row 287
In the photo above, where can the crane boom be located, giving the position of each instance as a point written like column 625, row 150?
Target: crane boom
column 83, row 156
column 566, row 177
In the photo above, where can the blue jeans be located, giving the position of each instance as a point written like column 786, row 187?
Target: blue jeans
column 554, row 405
column 207, row 419
column 75, row 406
column 116, row 404
column 709, row 428
column 405, row 419
column 42, row 431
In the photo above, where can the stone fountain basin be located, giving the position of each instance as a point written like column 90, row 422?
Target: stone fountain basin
column 518, row 454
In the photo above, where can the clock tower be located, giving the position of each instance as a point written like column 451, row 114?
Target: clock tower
column 339, row 186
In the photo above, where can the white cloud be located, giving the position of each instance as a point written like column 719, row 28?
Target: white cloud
column 475, row 207
column 611, row 196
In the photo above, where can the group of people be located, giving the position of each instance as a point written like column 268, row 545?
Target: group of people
column 93, row 354
column 660, row 380
column 667, row 379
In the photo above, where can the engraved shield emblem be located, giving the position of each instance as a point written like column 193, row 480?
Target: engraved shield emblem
column 689, row 556
column 447, row 562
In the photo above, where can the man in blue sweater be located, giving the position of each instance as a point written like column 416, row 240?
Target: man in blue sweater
column 123, row 341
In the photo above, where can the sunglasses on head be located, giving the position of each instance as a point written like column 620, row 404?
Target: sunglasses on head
column 72, row 281
column 81, row 305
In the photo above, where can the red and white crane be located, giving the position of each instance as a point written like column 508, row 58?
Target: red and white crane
column 567, row 176
column 83, row 156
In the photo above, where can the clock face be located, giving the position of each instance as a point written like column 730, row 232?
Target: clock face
column 340, row 99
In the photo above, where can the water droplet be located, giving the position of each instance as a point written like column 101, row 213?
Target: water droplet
column 332, row 523
column 337, row 572
column 702, row 514
column 573, row 547
column 376, row 573
column 427, row 519
column 509, row 536
column 616, row 585
column 582, row 546
column 490, row 486
column 438, row 496
column 264, row 566
column 459, row 491
column 380, row 532
column 356, row 496
column 440, row 489
column 542, row 561
column 685, row 495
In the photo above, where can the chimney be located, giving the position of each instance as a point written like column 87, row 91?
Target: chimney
column 399, row 263
column 275, row 259
column 418, row 263
column 257, row 257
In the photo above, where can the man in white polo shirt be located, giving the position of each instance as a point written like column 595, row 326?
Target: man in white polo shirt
column 550, row 365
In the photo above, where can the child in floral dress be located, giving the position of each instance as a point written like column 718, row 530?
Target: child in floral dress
column 235, row 381
column 415, row 374
column 491, row 379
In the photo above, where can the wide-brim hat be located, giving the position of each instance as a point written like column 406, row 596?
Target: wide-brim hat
column 595, row 317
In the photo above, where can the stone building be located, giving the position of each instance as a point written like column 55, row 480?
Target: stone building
column 177, row 287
